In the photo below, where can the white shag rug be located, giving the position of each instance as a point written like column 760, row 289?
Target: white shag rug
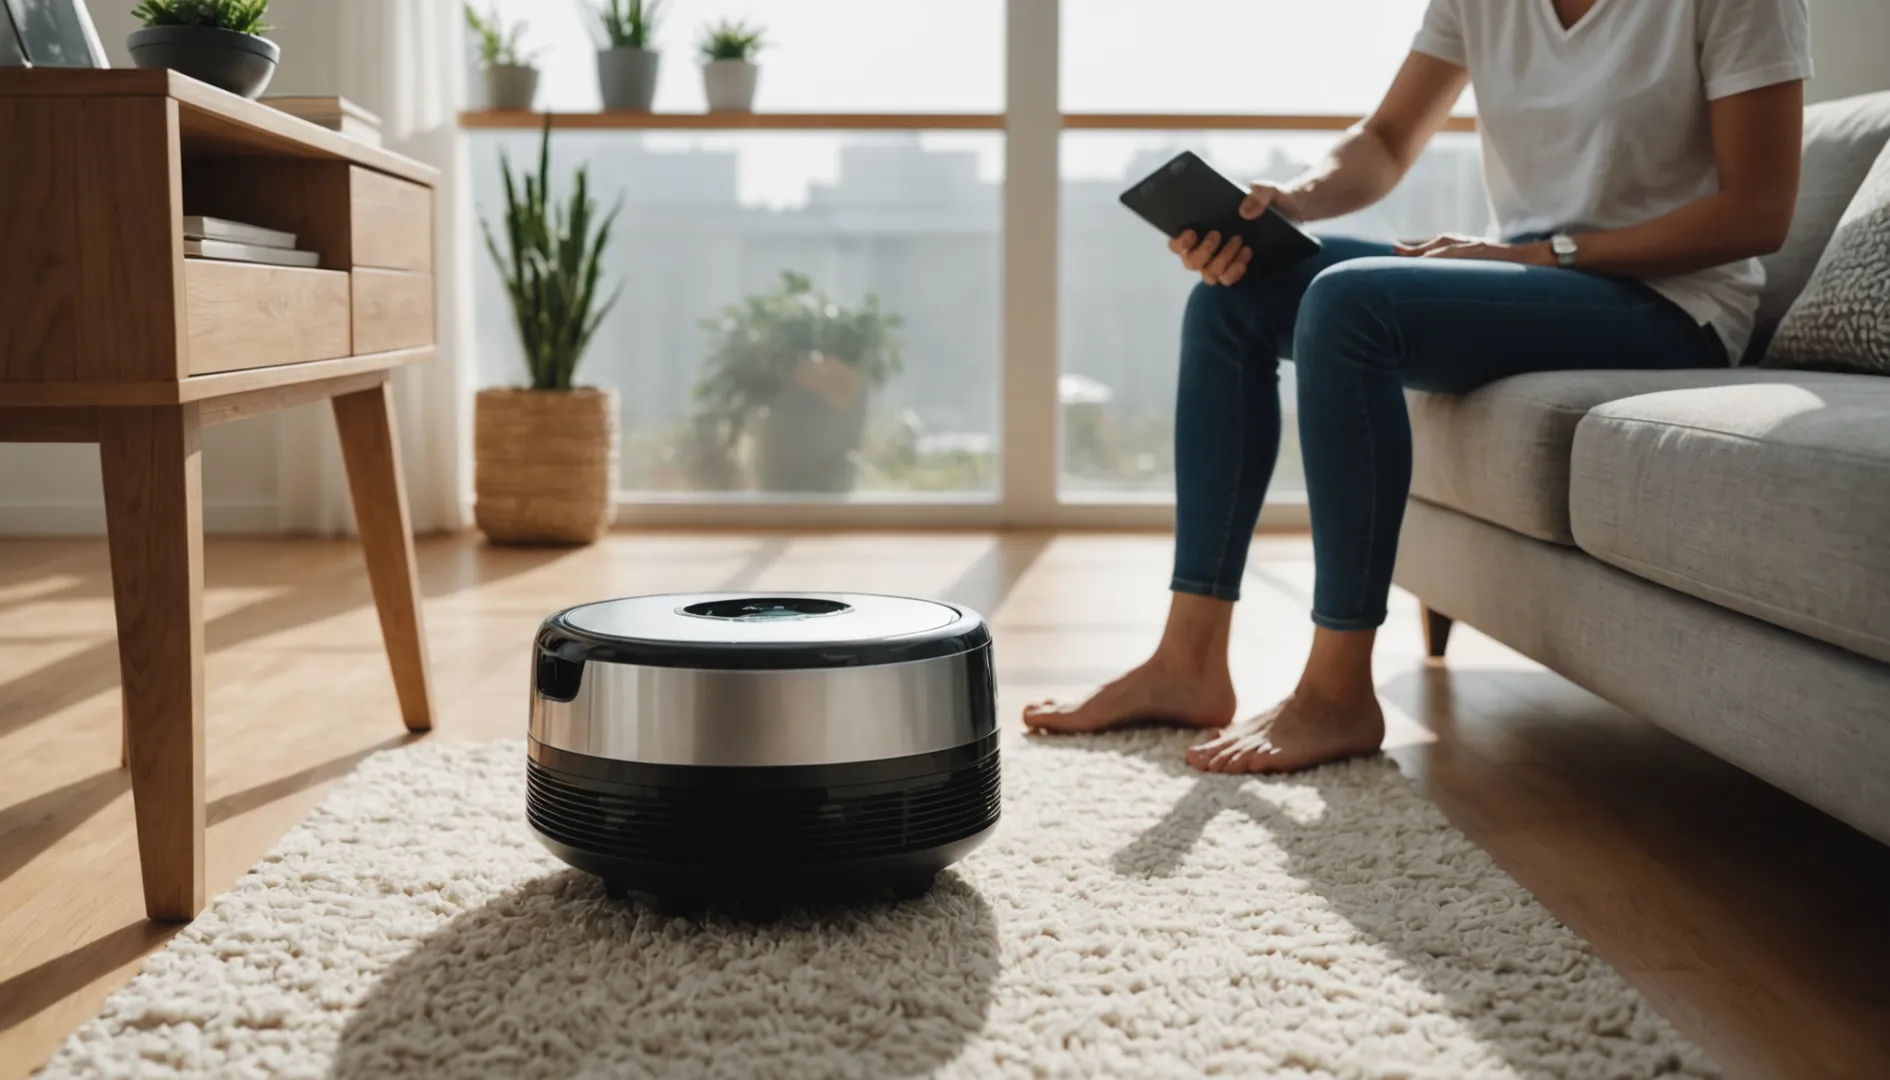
column 1132, row 918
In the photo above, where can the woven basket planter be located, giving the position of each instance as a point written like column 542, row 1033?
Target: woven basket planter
column 545, row 464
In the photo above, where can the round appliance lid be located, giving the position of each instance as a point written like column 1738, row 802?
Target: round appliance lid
column 762, row 630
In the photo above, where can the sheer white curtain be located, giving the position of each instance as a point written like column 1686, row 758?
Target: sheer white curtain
column 402, row 59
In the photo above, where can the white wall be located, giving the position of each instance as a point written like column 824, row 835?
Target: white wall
column 1850, row 43
column 51, row 489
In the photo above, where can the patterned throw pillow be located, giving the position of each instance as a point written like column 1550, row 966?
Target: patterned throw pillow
column 1842, row 320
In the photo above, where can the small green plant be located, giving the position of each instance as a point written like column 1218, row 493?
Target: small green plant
column 759, row 343
column 242, row 16
column 629, row 24
column 498, row 44
column 551, row 264
column 731, row 39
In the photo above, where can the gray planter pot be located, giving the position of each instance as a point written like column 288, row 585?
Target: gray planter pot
column 730, row 85
column 510, row 86
column 807, row 444
column 239, row 63
column 626, row 78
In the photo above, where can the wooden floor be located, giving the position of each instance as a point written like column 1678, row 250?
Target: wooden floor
column 1755, row 924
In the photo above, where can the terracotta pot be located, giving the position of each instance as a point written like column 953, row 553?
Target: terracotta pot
column 544, row 464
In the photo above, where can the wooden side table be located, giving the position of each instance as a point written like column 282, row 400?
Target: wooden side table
column 108, row 334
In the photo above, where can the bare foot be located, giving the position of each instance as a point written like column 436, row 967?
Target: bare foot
column 1156, row 692
column 1296, row 734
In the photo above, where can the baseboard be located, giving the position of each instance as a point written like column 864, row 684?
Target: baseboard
column 85, row 517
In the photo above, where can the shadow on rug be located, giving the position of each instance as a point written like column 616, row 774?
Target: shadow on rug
column 557, row 971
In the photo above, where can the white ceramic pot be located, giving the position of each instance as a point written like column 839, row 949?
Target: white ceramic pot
column 730, row 85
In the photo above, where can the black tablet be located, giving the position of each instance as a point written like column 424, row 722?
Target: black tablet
column 1188, row 194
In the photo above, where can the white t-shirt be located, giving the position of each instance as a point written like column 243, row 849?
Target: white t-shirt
column 1604, row 124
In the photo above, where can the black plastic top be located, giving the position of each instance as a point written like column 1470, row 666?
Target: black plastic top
column 762, row 631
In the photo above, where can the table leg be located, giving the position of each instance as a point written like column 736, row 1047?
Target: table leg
column 371, row 448
column 154, row 520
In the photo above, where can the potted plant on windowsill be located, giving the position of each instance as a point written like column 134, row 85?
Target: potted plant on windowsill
column 627, row 65
column 215, row 41
column 800, row 370
column 510, row 81
column 545, row 457
column 729, row 71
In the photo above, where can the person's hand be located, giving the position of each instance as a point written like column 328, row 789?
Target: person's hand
column 1456, row 246
column 1224, row 260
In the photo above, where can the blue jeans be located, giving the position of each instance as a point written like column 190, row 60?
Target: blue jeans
column 1362, row 325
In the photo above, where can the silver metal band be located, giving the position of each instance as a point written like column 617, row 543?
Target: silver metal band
column 808, row 716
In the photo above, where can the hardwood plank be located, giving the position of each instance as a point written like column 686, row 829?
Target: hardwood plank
column 371, row 447
column 76, row 424
column 392, row 222
column 208, row 387
column 392, row 310
column 246, row 316
column 213, row 119
column 154, row 511
column 130, row 302
column 84, row 82
column 39, row 335
column 276, row 398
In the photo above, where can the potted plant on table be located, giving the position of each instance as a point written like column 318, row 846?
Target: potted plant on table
column 511, row 82
column 215, row 41
column 545, row 457
column 729, row 72
column 799, row 369
column 627, row 65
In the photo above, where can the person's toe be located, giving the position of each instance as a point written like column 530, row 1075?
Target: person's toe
column 1224, row 757
column 1202, row 754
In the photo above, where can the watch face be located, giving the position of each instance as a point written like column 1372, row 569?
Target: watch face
column 1562, row 245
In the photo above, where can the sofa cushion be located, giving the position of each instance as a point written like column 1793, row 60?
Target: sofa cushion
column 1501, row 453
column 1842, row 139
column 1842, row 320
column 1772, row 500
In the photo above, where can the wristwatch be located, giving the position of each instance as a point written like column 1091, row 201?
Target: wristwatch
column 1565, row 249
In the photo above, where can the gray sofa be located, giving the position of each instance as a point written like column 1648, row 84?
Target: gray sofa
column 1709, row 550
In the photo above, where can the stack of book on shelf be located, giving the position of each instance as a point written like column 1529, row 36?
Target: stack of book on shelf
column 233, row 241
column 332, row 112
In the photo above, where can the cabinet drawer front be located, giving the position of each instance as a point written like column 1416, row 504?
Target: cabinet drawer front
column 392, row 222
column 392, row 310
column 240, row 315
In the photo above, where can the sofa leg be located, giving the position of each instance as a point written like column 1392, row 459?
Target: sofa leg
column 1436, row 632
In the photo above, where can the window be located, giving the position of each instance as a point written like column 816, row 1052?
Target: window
column 824, row 55
column 912, row 216
column 1122, row 292
column 1286, row 57
column 711, row 221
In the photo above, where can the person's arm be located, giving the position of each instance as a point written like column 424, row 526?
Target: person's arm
column 1362, row 169
column 1756, row 140
column 1374, row 156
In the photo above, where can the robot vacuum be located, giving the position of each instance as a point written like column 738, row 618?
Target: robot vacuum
column 714, row 747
